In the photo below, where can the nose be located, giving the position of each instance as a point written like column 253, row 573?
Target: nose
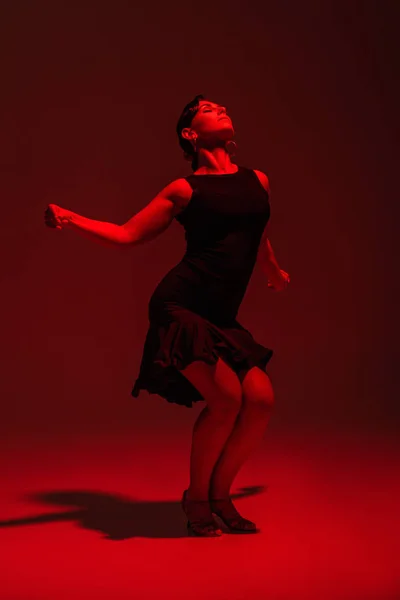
column 222, row 114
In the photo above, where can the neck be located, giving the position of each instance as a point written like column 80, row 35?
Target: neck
column 216, row 160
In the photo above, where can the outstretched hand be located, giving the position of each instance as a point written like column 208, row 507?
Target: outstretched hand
column 55, row 216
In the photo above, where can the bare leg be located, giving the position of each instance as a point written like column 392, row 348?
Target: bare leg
column 210, row 433
column 221, row 389
column 246, row 435
column 255, row 413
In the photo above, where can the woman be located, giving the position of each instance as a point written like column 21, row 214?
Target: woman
column 195, row 349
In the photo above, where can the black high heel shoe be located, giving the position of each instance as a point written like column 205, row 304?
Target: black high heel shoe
column 200, row 520
column 232, row 519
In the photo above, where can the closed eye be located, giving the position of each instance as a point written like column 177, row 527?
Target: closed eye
column 208, row 109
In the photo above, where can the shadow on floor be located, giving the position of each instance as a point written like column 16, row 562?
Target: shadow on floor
column 116, row 517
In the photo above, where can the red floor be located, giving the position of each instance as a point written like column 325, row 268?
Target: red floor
column 99, row 517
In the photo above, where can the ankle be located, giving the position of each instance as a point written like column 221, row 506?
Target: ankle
column 193, row 495
column 219, row 494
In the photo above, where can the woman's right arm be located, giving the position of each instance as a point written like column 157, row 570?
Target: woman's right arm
column 157, row 216
column 145, row 225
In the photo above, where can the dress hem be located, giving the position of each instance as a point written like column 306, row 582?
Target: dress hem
column 185, row 394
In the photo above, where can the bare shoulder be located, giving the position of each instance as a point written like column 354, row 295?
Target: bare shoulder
column 263, row 179
column 179, row 192
column 179, row 189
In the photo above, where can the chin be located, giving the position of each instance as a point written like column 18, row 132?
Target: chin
column 227, row 132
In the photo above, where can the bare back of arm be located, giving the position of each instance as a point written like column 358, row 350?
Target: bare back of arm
column 158, row 214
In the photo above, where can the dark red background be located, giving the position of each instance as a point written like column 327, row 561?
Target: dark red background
column 90, row 96
column 92, row 478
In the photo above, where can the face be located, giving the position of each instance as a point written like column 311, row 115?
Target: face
column 211, row 123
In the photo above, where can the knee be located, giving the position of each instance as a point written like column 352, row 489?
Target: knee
column 260, row 401
column 258, row 393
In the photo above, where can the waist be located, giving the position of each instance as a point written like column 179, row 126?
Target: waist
column 228, row 270
column 184, row 286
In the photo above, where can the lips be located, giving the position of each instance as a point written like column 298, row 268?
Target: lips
column 223, row 118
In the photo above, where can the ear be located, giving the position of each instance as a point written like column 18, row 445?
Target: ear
column 186, row 131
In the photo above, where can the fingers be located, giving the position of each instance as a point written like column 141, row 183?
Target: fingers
column 50, row 218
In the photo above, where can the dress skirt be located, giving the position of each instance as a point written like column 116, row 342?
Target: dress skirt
column 172, row 343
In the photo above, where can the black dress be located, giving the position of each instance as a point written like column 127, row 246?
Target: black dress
column 192, row 312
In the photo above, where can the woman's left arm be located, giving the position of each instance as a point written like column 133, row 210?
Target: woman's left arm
column 277, row 278
column 267, row 260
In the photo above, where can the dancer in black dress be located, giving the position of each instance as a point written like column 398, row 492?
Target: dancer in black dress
column 195, row 348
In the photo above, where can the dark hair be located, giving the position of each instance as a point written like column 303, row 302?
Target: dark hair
column 185, row 120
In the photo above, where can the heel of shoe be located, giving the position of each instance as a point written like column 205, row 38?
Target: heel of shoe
column 231, row 518
column 203, row 531
column 199, row 525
